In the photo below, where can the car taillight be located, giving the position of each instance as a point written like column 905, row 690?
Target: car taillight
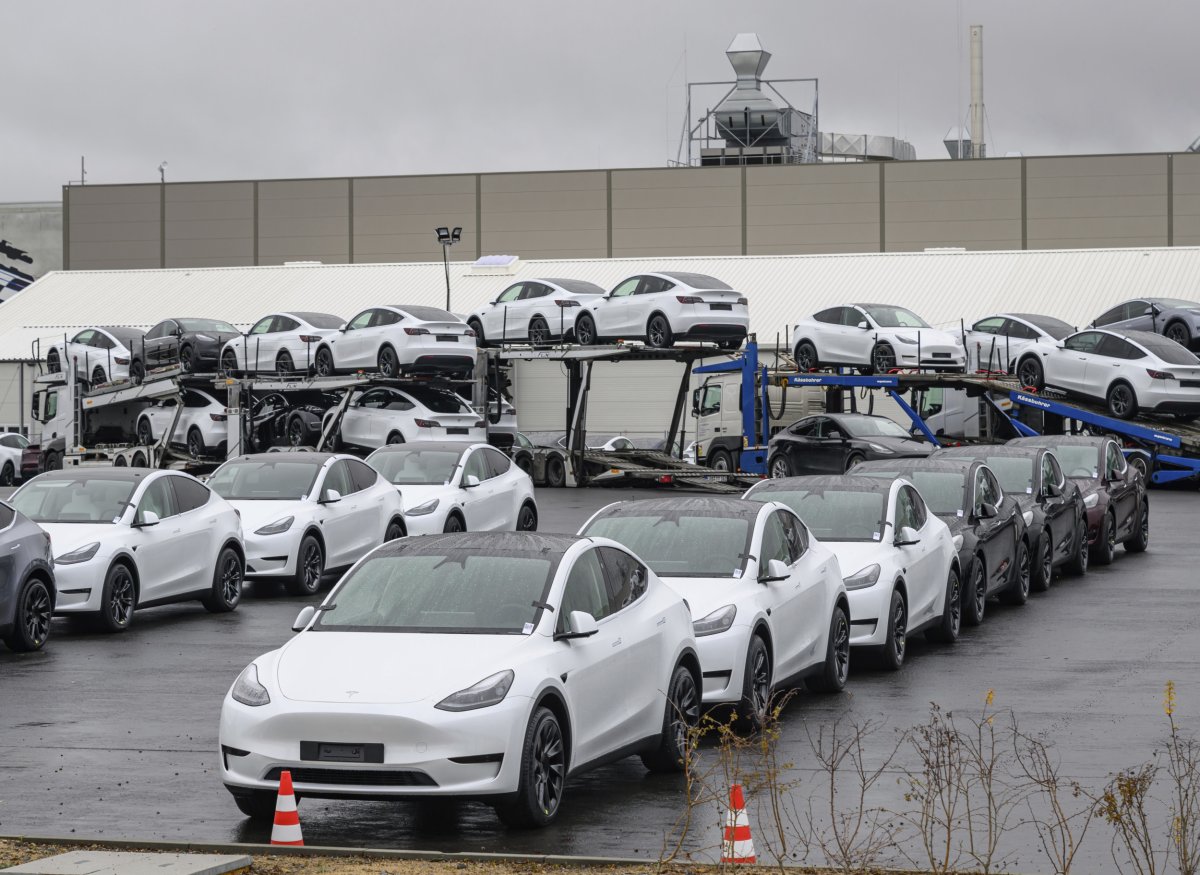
column 427, row 423
column 415, row 331
column 121, row 361
column 743, row 302
column 217, row 417
column 567, row 303
column 687, row 299
column 309, row 338
column 469, row 333
column 1159, row 375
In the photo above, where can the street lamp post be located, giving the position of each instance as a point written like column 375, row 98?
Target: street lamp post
column 447, row 238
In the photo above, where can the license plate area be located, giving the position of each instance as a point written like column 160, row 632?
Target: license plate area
column 720, row 306
column 457, row 431
column 340, row 752
column 447, row 338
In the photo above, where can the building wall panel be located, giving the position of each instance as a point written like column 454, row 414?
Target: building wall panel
column 114, row 226
column 975, row 204
column 1186, row 201
column 680, row 211
column 545, row 215
column 304, row 220
column 395, row 217
column 834, row 208
column 210, row 224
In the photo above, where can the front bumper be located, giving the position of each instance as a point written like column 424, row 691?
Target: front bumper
column 427, row 523
column 868, row 615
column 936, row 356
column 723, row 664
column 80, row 586
column 271, row 555
column 426, row 752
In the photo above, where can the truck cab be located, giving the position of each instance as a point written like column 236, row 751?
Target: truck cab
column 720, row 431
column 50, row 412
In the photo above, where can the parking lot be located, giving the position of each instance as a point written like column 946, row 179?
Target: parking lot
column 116, row 736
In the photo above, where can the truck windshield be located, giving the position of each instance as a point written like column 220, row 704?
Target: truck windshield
column 285, row 479
column 74, row 499
column 681, row 544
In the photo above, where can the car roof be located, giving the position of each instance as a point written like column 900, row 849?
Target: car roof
column 846, row 482
column 482, row 542
column 956, row 465
column 305, row 314
column 700, row 281
column 426, row 314
column 578, row 287
column 122, row 332
column 853, row 416
column 310, row 458
column 131, row 475
column 447, row 446
column 709, row 504
column 975, row 450
column 1066, row 440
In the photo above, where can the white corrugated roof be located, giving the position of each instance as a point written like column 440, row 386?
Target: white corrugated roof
column 943, row 286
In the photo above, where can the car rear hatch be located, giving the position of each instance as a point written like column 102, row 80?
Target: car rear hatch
column 719, row 300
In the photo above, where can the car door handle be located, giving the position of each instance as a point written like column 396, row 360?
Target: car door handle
column 662, row 621
column 617, row 643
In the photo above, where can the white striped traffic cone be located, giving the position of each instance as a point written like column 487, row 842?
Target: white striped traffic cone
column 738, row 847
column 286, row 830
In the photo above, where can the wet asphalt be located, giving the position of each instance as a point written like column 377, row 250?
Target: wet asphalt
column 116, row 736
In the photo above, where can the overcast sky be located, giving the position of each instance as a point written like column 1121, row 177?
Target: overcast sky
column 227, row 89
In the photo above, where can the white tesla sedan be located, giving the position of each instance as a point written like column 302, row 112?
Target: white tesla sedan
column 201, row 426
column 534, row 311
column 1002, row 341
column 768, row 601
column 491, row 666
column 387, row 415
column 126, row 538
column 100, row 353
column 874, row 338
column 280, row 343
column 1131, row 372
column 396, row 339
column 662, row 308
column 899, row 561
column 306, row 513
column 454, row 487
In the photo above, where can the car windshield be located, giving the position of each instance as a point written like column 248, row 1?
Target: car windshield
column 207, row 325
column 1168, row 350
column 1015, row 473
column 832, row 514
column 942, row 490
column 1079, row 461
column 283, row 479
column 74, row 500
column 415, row 466
column 437, row 400
column 1056, row 328
column 874, row 426
column 442, row 590
column 895, row 317
column 681, row 543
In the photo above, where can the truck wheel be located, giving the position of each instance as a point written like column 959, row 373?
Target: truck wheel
column 556, row 471
column 525, row 463
column 53, row 461
column 719, row 460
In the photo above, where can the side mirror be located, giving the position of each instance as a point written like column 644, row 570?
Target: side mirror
column 907, row 537
column 582, row 625
column 864, row 325
column 1052, row 490
column 776, row 570
column 470, row 481
column 331, row 495
column 987, row 511
column 148, row 518
column 304, row 618
column 343, row 326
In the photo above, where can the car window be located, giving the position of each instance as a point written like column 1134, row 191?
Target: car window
column 395, row 401
column 1117, row 348
column 774, row 542
column 497, row 462
column 585, row 590
column 626, row 288
column 189, row 494
column 987, row 491
column 652, row 285
column 374, row 398
column 910, row 511
column 159, row 497
column 624, row 577
column 15, row 441
column 84, row 337
column 831, row 429
column 992, row 325
column 795, row 533
column 385, row 317
column 1048, row 471
column 338, row 477
column 710, row 399
column 162, row 329
column 536, row 290
column 1110, row 316
column 196, row 400
column 1114, row 461
column 477, row 465
column 363, row 475
column 285, row 323
column 623, row 444
column 362, row 320
column 263, row 326
column 1084, row 341
column 852, row 316
column 808, row 428
column 510, row 294
column 832, row 316
column 100, row 340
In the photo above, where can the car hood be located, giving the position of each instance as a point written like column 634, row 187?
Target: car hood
column 910, row 447
column 416, row 495
column 383, row 667
column 853, row 556
column 66, row 537
column 1086, row 485
column 256, row 514
column 706, row 594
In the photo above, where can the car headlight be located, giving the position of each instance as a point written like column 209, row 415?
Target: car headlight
column 489, row 691
column 276, row 528
column 862, row 578
column 880, row 448
column 247, row 689
column 1028, row 517
column 1092, row 500
column 904, row 338
column 424, row 509
column 82, row 554
column 205, row 337
column 958, row 542
column 718, row 621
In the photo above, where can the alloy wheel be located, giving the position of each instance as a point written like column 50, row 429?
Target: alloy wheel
column 231, row 580
column 527, row 521
column 389, row 365
column 841, row 647
column 36, row 611
column 657, row 332
column 98, row 375
column 806, row 358
column 900, row 631
column 324, row 363
column 980, row 590
column 1178, row 333
column 685, row 710
column 1120, row 401
column 194, row 444
column 1024, row 570
column 1029, row 373
column 312, row 564
column 585, row 331
column 883, row 359
column 296, row 433
column 955, row 602
column 549, row 766
column 120, row 605
column 185, row 360
column 283, row 363
column 1047, row 560
column 780, row 469
column 229, row 360
column 539, row 332
column 760, row 685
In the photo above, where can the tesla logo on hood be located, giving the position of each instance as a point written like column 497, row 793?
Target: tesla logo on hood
column 350, row 694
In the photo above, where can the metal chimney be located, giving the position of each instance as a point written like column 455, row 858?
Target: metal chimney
column 978, row 147
column 747, row 116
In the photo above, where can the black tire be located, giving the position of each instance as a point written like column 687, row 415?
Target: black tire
column 556, row 471
column 1179, row 332
column 527, row 518
column 228, row 575
column 1106, row 542
column 539, row 331
column 896, row 644
column 658, row 332
column 310, row 566
column 283, row 363
column 947, row 629
column 137, row 372
column 31, row 622
column 883, row 358
column 779, row 466
column 53, row 363
column 145, row 432
column 395, row 531
column 395, row 438
column 229, row 362
column 119, row 462
column 258, row 806
column 836, row 669
column 388, row 361
column 118, row 600
column 525, row 463
column 974, row 597
column 195, row 443
column 1017, row 591
column 54, row 461
column 719, row 460
column 454, row 523
column 1031, row 373
column 585, row 330
column 1140, row 464
column 757, row 684
column 296, row 431
column 98, row 376
column 477, row 326
column 1121, row 401
column 1140, row 539
column 8, row 474
column 543, row 774
column 1042, row 566
column 852, row 460
column 806, row 356
column 185, row 360
column 682, row 714
column 1077, row 565
column 138, row 460
column 323, row 362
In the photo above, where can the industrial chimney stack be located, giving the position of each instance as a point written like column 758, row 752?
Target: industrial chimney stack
column 978, row 147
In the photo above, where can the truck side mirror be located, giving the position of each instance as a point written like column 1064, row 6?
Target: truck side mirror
column 35, row 403
column 695, row 402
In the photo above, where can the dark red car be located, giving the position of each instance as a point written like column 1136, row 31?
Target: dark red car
column 1114, row 492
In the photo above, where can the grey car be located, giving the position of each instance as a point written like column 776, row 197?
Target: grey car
column 27, row 592
column 1175, row 318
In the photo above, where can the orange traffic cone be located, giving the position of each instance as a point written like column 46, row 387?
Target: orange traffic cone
column 738, row 847
column 286, row 830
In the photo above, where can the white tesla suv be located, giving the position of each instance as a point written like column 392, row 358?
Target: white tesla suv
column 127, row 537
column 100, row 354
column 308, row 513
column 875, row 338
column 491, row 666
column 1131, row 372
column 386, row 415
column 534, row 311
column 281, row 343
column 1000, row 342
column 455, row 487
column 201, row 426
column 396, row 339
column 12, row 447
column 767, row 599
column 899, row 561
column 661, row 308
